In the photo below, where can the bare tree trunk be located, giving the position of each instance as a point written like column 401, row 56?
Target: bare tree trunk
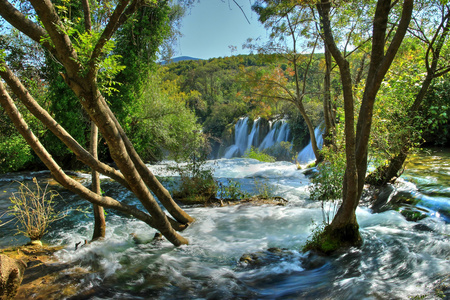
column 99, row 212
column 329, row 116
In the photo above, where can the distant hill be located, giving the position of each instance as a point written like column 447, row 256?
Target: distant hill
column 179, row 58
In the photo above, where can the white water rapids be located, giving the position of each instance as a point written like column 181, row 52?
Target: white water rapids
column 398, row 259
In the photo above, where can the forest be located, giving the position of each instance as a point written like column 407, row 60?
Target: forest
column 159, row 163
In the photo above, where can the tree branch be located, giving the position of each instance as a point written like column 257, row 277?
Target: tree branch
column 56, row 171
column 120, row 15
column 23, row 24
column 65, row 51
column 42, row 115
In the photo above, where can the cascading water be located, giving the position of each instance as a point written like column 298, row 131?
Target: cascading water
column 243, row 140
column 307, row 153
column 399, row 259
column 279, row 131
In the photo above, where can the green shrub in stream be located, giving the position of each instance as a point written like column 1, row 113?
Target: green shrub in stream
column 197, row 184
column 318, row 240
column 282, row 151
column 258, row 155
column 263, row 189
column 232, row 190
column 327, row 182
column 197, row 189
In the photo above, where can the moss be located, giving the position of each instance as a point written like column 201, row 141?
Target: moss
column 413, row 214
column 326, row 240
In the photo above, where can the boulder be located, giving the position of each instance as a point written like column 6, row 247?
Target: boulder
column 11, row 275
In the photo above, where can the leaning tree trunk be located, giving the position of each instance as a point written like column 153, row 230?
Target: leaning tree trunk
column 81, row 76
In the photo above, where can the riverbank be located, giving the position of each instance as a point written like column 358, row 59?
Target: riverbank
column 45, row 277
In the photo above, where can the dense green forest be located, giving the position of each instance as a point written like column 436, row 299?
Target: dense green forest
column 208, row 95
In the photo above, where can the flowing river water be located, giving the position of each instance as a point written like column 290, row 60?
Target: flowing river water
column 399, row 259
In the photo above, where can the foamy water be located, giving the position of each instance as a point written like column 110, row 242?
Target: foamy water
column 399, row 259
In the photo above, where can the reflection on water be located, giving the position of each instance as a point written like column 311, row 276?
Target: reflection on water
column 399, row 258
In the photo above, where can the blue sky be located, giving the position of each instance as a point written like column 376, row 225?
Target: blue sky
column 211, row 26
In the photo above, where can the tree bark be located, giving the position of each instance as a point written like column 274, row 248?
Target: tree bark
column 99, row 212
column 344, row 228
column 43, row 116
column 82, row 79
column 329, row 116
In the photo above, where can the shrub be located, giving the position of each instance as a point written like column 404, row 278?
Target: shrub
column 197, row 184
column 196, row 188
column 258, row 155
column 232, row 190
column 33, row 209
column 264, row 190
column 327, row 183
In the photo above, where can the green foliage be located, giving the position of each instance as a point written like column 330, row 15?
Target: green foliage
column 23, row 57
column 66, row 109
column 436, row 111
column 327, row 183
column 282, row 151
column 161, row 124
column 263, row 189
column 15, row 154
column 33, row 208
column 232, row 190
column 258, row 155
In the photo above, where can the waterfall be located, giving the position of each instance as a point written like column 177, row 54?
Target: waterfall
column 307, row 153
column 243, row 140
column 278, row 133
column 240, row 139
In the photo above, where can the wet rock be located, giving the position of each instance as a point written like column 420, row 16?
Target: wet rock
column 378, row 198
column 311, row 172
column 313, row 261
column 263, row 257
column 422, row 227
column 11, row 275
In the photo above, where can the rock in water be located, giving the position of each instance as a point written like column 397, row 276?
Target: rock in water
column 11, row 275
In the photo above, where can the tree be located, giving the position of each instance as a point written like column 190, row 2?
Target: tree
column 433, row 33
column 292, row 24
column 386, row 38
column 99, row 212
column 84, row 56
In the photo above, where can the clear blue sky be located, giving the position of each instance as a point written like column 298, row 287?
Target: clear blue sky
column 212, row 25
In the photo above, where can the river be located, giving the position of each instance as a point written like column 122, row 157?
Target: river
column 398, row 260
